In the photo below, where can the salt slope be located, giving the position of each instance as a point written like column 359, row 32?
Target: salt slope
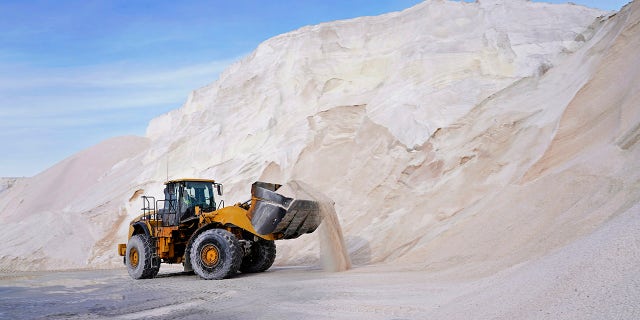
column 406, row 120
column 575, row 130
column 351, row 107
column 537, row 166
column 65, row 216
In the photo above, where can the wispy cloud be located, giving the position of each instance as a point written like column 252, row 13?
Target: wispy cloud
column 111, row 75
column 49, row 113
column 26, row 92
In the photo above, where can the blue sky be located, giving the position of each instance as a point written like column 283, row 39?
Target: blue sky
column 73, row 73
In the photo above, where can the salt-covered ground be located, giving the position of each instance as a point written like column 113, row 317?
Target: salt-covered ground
column 483, row 158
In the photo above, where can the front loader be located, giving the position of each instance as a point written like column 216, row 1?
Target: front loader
column 214, row 241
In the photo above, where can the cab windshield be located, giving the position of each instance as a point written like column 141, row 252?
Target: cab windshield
column 200, row 194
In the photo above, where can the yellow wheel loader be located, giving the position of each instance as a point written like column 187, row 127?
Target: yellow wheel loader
column 212, row 240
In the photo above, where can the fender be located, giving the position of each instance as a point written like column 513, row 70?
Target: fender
column 137, row 228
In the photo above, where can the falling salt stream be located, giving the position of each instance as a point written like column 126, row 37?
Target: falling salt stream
column 333, row 251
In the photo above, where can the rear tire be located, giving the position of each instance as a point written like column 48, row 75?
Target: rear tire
column 138, row 257
column 260, row 258
column 216, row 254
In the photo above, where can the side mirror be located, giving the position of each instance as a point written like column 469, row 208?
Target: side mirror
column 219, row 188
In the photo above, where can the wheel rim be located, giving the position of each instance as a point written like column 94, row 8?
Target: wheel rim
column 209, row 255
column 134, row 257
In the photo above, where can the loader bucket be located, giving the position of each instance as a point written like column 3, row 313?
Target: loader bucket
column 272, row 212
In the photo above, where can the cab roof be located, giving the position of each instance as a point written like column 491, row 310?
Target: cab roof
column 189, row 180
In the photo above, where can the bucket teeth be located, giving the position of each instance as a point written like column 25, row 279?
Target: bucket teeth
column 303, row 217
column 273, row 213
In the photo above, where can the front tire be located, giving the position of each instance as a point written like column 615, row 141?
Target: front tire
column 260, row 258
column 216, row 254
column 138, row 257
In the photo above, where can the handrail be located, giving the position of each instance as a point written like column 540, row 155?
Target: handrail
column 146, row 206
column 147, row 210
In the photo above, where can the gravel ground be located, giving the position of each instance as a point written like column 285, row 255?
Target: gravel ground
column 290, row 293
column 307, row 293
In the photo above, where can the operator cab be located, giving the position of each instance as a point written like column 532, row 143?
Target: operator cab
column 183, row 196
